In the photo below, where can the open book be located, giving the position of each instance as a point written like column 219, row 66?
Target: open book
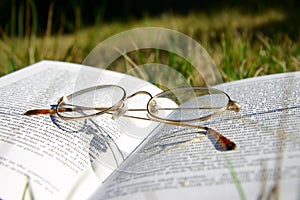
column 42, row 157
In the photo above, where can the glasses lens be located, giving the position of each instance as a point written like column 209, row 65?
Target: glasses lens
column 187, row 104
column 91, row 101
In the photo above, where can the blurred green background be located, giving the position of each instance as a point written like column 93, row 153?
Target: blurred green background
column 244, row 38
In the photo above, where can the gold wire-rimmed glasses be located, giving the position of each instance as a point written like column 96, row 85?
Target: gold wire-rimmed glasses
column 178, row 107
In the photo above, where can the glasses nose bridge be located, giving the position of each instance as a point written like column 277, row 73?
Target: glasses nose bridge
column 139, row 93
column 120, row 108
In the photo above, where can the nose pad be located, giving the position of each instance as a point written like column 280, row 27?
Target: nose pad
column 153, row 108
column 119, row 112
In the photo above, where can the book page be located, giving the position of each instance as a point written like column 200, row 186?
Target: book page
column 181, row 163
column 60, row 159
column 15, row 184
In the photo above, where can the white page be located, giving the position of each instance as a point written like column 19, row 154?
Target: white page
column 58, row 162
column 266, row 133
column 15, row 184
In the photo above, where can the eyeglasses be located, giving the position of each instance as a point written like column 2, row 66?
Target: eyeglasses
column 178, row 107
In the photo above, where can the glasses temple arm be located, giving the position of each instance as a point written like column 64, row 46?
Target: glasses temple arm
column 234, row 106
column 40, row 112
column 53, row 111
column 224, row 143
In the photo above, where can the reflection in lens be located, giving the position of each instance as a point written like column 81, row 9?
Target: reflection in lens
column 90, row 101
column 187, row 104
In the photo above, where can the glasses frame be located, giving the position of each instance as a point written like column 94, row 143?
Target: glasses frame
column 118, row 109
column 58, row 110
column 119, row 106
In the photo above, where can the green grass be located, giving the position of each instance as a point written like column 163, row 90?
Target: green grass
column 238, row 42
